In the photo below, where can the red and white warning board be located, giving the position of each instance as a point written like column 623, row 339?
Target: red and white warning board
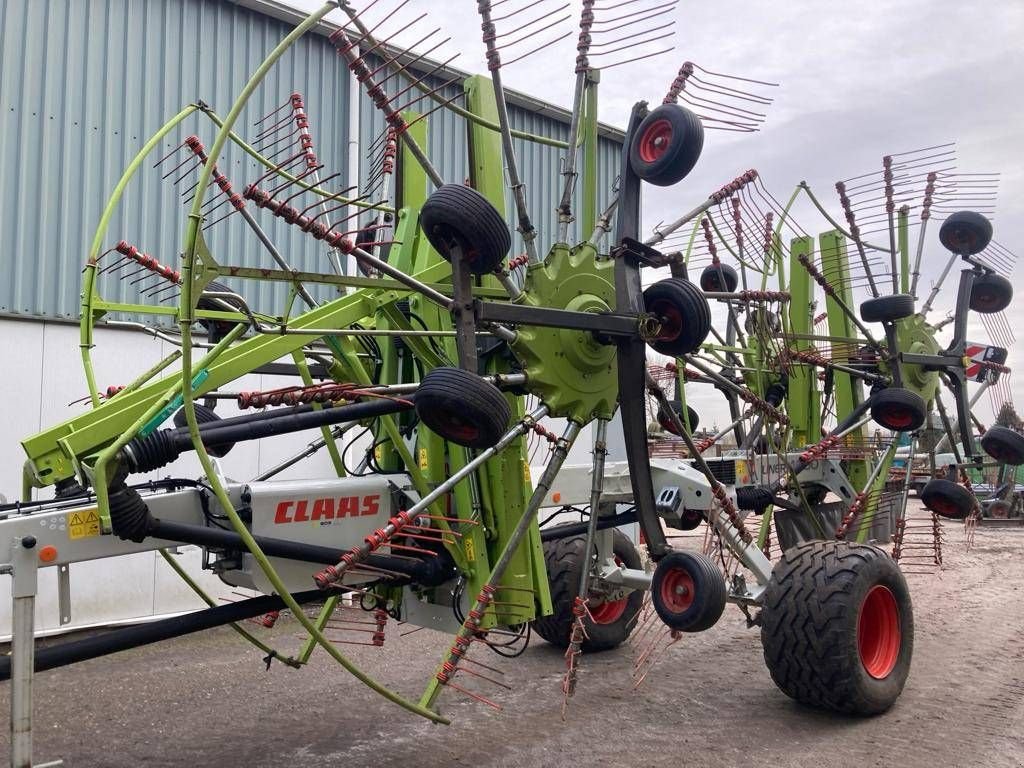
column 983, row 359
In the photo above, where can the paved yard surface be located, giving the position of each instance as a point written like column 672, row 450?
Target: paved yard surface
column 206, row 700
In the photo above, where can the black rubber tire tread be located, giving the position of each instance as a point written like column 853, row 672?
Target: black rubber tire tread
column 204, row 415
column 683, row 151
column 887, row 308
column 217, row 329
column 709, row 588
column 809, row 626
column 1004, row 445
column 991, row 293
column 965, row 233
column 448, row 394
column 694, row 311
column 912, row 403
column 666, row 423
column 711, row 278
column 564, row 558
column 947, row 499
column 455, row 212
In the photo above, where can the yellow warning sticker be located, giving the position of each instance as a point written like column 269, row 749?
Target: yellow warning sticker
column 467, row 544
column 526, row 473
column 423, row 458
column 742, row 472
column 83, row 524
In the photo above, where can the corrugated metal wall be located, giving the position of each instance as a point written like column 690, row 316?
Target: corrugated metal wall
column 83, row 85
column 539, row 164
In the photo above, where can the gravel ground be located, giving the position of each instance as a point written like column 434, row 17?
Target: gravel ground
column 207, row 700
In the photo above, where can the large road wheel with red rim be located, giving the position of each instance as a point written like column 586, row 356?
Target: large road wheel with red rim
column 613, row 620
column 837, row 627
column 666, row 145
column 688, row 591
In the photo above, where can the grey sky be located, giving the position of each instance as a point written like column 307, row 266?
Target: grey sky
column 858, row 81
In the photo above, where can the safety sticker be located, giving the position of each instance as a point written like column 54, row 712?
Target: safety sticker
column 83, row 524
column 423, row 458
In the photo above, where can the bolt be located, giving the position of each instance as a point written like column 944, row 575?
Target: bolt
column 28, row 542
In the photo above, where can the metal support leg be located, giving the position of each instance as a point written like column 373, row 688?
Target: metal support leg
column 24, row 569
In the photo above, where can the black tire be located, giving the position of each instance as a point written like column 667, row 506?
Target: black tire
column 965, row 233
column 886, row 309
column 685, row 316
column 1004, row 445
column 204, row 415
column 457, row 215
column 947, row 499
column 688, row 591
column 564, row 558
column 665, row 421
column 719, row 278
column 217, row 329
column 462, row 408
column 837, row 627
column 666, row 145
column 899, row 410
column 365, row 239
column 991, row 293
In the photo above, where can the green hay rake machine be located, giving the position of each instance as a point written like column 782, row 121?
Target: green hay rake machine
column 455, row 357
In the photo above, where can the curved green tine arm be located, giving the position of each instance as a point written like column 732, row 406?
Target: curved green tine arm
column 185, row 320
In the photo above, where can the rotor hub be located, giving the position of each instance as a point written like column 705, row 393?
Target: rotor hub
column 571, row 371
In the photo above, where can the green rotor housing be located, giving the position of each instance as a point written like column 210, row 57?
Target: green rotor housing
column 571, row 372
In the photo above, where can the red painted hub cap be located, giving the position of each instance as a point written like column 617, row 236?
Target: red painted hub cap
column 459, row 428
column 897, row 417
column 609, row 611
column 878, row 632
column 671, row 320
column 677, row 590
column 655, row 140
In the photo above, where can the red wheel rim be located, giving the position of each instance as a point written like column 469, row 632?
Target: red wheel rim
column 947, row 508
column 655, row 140
column 878, row 632
column 897, row 418
column 609, row 611
column 671, row 320
column 677, row 590
column 456, row 428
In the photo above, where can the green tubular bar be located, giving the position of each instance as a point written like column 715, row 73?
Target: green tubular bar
column 190, row 253
column 89, row 279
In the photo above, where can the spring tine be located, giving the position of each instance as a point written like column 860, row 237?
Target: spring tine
column 162, row 159
column 389, row 61
column 656, row 10
column 414, row 83
column 442, row 105
column 634, row 44
column 433, row 91
column 273, row 112
column 530, row 36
